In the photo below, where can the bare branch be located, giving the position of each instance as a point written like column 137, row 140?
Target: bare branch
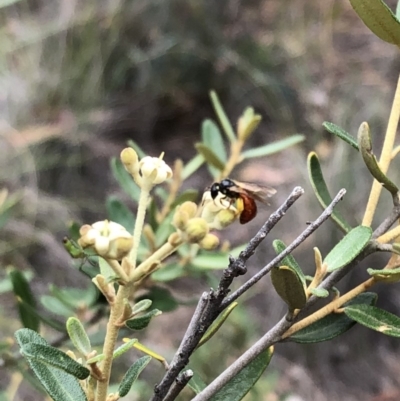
column 301, row 238
column 178, row 385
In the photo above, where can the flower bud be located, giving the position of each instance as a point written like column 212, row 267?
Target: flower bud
column 154, row 170
column 189, row 207
column 110, row 240
column 209, row 242
column 196, row 229
column 130, row 160
column 247, row 123
column 224, row 218
column 180, row 219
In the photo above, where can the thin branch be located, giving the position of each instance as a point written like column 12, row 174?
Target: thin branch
column 262, row 344
column 389, row 221
column 179, row 385
column 301, row 238
column 209, row 306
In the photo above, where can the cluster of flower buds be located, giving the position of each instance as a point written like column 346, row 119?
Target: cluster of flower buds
column 221, row 211
column 148, row 171
column 108, row 239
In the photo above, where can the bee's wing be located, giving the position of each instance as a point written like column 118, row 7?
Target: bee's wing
column 258, row 192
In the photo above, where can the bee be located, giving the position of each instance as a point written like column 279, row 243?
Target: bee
column 247, row 192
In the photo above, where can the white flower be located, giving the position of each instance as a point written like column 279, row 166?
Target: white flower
column 107, row 238
column 154, row 170
column 218, row 212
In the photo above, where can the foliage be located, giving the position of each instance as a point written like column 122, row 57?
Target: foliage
column 171, row 236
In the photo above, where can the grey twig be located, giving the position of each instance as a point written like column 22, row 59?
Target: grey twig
column 300, row 239
column 388, row 222
column 179, row 385
column 209, row 306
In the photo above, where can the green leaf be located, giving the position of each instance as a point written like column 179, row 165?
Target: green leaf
column 375, row 318
column 273, row 147
column 192, row 166
column 106, row 270
column 122, row 349
column 321, row 190
column 341, row 133
column 132, row 374
column 348, row 248
column 364, row 141
column 120, row 213
column 141, row 306
column 6, row 284
column 244, row 381
column 217, row 324
column 331, row 325
column 59, row 385
column 212, row 138
column 190, row 195
column 168, row 272
column 164, row 230
column 386, row 275
column 289, row 286
column 54, row 357
column 23, row 291
column 319, row 292
column 279, row 247
column 55, row 306
column 141, row 322
column 73, row 230
column 210, row 156
column 43, row 318
column 75, row 298
column 26, row 336
column 78, row 335
column 222, row 117
column 196, row 383
column 162, row 299
column 398, row 10
column 379, row 19
column 124, row 179
column 210, row 261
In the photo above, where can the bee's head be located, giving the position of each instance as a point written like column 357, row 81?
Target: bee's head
column 215, row 188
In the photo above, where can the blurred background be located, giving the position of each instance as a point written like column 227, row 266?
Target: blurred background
column 80, row 78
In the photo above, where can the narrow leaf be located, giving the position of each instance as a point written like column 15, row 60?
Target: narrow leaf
column 124, row 179
column 379, row 19
column 217, row 324
column 212, row 138
column 141, row 306
column 332, row 325
column 289, row 286
column 23, row 292
column 162, row 299
column 341, row 133
column 244, row 381
column 54, row 357
column 319, row 292
column 141, row 322
column 59, row 385
column 164, row 230
column 78, row 335
column 26, row 336
column 222, row 117
column 55, row 306
column 168, row 272
column 279, row 247
column 210, row 260
column 386, row 275
column 132, row 374
column 211, row 157
column 321, row 190
column 348, row 248
column 273, row 147
column 196, row 383
column 120, row 213
column 375, row 318
column 364, row 141
column 192, row 166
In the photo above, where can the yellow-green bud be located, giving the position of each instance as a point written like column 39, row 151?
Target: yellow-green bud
column 196, row 229
column 189, row 207
column 247, row 123
column 130, row 160
column 224, row 218
column 180, row 219
column 174, row 239
column 209, row 242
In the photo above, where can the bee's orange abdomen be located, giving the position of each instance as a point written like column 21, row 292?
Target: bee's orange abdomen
column 249, row 209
